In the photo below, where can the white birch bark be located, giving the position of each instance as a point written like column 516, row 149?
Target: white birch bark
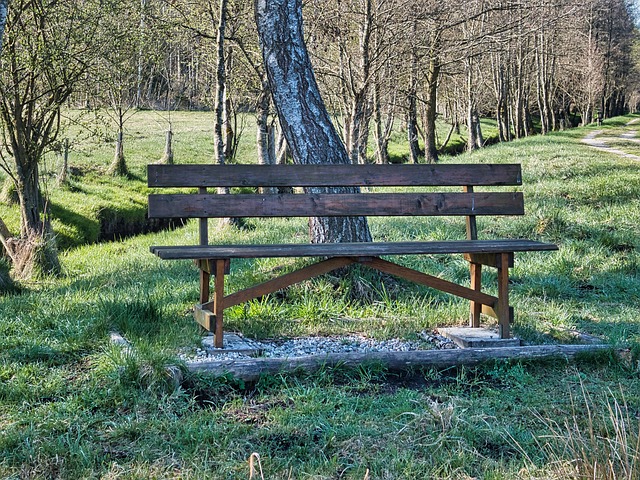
column 303, row 116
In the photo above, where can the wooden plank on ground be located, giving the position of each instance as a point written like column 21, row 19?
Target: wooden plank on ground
column 335, row 204
column 332, row 175
column 251, row 369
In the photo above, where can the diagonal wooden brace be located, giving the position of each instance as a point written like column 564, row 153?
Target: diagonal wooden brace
column 283, row 281
column 430, row 281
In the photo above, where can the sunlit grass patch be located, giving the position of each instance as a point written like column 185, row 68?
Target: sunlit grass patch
column 72, row 405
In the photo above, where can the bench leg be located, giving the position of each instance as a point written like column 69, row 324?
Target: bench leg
column 212, row 320
column 504, row 312
column 476, row 284
column 218, row 303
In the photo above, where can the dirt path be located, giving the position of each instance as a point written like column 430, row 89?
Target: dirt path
column 601, row 143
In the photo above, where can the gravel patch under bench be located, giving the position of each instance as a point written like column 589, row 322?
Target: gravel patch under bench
column 309, row 346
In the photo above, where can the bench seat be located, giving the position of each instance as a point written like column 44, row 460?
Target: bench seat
column 374, row 249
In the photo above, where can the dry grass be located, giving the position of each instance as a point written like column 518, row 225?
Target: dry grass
column 599, row 440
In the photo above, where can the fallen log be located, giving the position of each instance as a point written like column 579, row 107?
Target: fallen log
column 251, row 369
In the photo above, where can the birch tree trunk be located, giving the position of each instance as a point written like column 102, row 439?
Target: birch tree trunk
column 412, row 112
column 305, row 121
column 218, row 136
column 430, row 149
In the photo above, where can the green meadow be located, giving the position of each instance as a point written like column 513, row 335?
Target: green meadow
column 73, row 405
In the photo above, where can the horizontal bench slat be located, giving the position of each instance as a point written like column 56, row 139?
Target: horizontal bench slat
column 335, row 205
column 333, row 175
column 373, row 249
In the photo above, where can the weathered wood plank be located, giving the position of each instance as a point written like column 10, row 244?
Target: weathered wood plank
column 374, row 249
column 332, row 175
column 486, row 259
column 335, row 205
column 251, row 369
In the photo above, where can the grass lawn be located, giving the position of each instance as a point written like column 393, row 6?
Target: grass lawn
column 72, row 405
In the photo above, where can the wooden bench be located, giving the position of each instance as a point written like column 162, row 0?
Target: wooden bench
column 214, row 260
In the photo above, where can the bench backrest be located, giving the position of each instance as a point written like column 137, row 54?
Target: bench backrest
column 314, row 178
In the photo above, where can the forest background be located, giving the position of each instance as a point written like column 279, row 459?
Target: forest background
column 534, row 66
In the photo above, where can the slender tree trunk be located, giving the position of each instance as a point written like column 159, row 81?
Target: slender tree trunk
column 143, row 7
column 527, row 117
column 359, row 134
column 282, row 149
column 119, row 165
column 168, row 148
column 29, row 198
column 262, row 121
column 382, row 129
column 303, row 116
column 472, row 141
column 218, row 136
column 360, row 105
column 501, row 89
column 412, row 128
column 64, row 171
column 430, row 149
column 35, row 253
column 265, row 137
column 221, row 126
column 345, row 102
column 228, row 113
column 282, row 155
column 412, row 112
column 478, row 127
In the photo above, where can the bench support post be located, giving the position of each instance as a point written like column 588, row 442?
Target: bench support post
column 504, row 312
column 218, row 303
column 476, row 284
column 208, row 313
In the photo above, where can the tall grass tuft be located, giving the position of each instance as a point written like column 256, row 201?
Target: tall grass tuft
column 137, row 317
column 598, row 440
column 140, row 368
